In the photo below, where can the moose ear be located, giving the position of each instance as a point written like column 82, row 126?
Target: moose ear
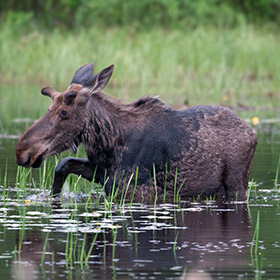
column 69, row 97
column 101, row 79
column 49, row 91
column 84, row 75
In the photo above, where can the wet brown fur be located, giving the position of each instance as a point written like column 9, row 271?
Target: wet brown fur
column 202, row 151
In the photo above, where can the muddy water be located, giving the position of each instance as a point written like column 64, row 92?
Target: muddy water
column 201, row 240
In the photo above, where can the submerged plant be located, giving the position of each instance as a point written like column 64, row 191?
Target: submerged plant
column 165, row 182
column 90, row 249
column 277, row 173
column 254, row 250
column 175, row 183
column 44, row 249
column 5, row 185
column 135, row 185
column 22, row 230
column 155, row 185
column 115, row 233
column 252, row 185
column 255, row 239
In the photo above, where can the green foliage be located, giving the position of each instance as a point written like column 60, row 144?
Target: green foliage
column 205, row 65
column 16, row 22
column 193, row 52
column 258, row 10
column 144, row 13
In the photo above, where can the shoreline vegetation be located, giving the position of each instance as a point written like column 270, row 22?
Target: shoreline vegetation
column 187, row 54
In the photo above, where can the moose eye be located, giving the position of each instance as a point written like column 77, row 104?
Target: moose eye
column 63, row 113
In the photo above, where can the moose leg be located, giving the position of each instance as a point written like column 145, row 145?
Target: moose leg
column 78, row 166
column 236, row 181
column 237, row 174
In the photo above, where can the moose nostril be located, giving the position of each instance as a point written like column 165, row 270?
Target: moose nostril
column 27, row 162
column 24, row 160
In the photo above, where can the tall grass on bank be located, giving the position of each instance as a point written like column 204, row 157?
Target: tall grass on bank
column 140, row 14
column 199, row 66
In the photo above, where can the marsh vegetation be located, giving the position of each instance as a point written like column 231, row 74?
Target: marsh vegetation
column 208, row 53
column 200, row 66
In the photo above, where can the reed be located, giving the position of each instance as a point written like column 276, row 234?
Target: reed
column 165, row 182
column 4, row 194
column 175, row 185
column 135, row 186
column 177, row 201
column 91, row 248
column 22, row 230
column 155, row 186
column 277, row 174
column 83, row 252
column 89, row 199
column 115, row 233
column 175, row 246
column 75, row 252
column 44, row 249
column 113, row 194
column 252, row 186
column 126, row 187
column 255, row 240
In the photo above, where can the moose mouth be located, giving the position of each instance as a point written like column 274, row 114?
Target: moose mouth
column 30, row 162
column 38, row 161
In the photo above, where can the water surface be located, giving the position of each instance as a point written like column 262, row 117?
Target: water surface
column 185, row 241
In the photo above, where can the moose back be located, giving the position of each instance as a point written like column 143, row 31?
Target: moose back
column 201, row 151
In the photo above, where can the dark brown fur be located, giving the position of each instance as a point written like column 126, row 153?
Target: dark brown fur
column 202, row 151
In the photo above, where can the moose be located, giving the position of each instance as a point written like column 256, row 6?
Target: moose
column 200, row 151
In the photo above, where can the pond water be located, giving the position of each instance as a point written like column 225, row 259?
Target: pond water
column 191, row 240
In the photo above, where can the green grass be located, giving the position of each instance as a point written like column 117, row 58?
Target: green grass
column 22, row 230
column 123, row 193
column 44, row 249
column 277, row 174
column 252, row 189
column 255, row 240
column 254, row 249
column 199, row 66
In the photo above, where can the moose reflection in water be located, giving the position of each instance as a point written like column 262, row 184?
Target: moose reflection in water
column 213, row 240
column 201, row 151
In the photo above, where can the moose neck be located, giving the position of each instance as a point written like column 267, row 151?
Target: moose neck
column 104, row 133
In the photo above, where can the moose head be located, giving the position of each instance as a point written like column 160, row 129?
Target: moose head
column 61, row 127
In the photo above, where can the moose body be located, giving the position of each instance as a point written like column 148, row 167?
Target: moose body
column 201, row 151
